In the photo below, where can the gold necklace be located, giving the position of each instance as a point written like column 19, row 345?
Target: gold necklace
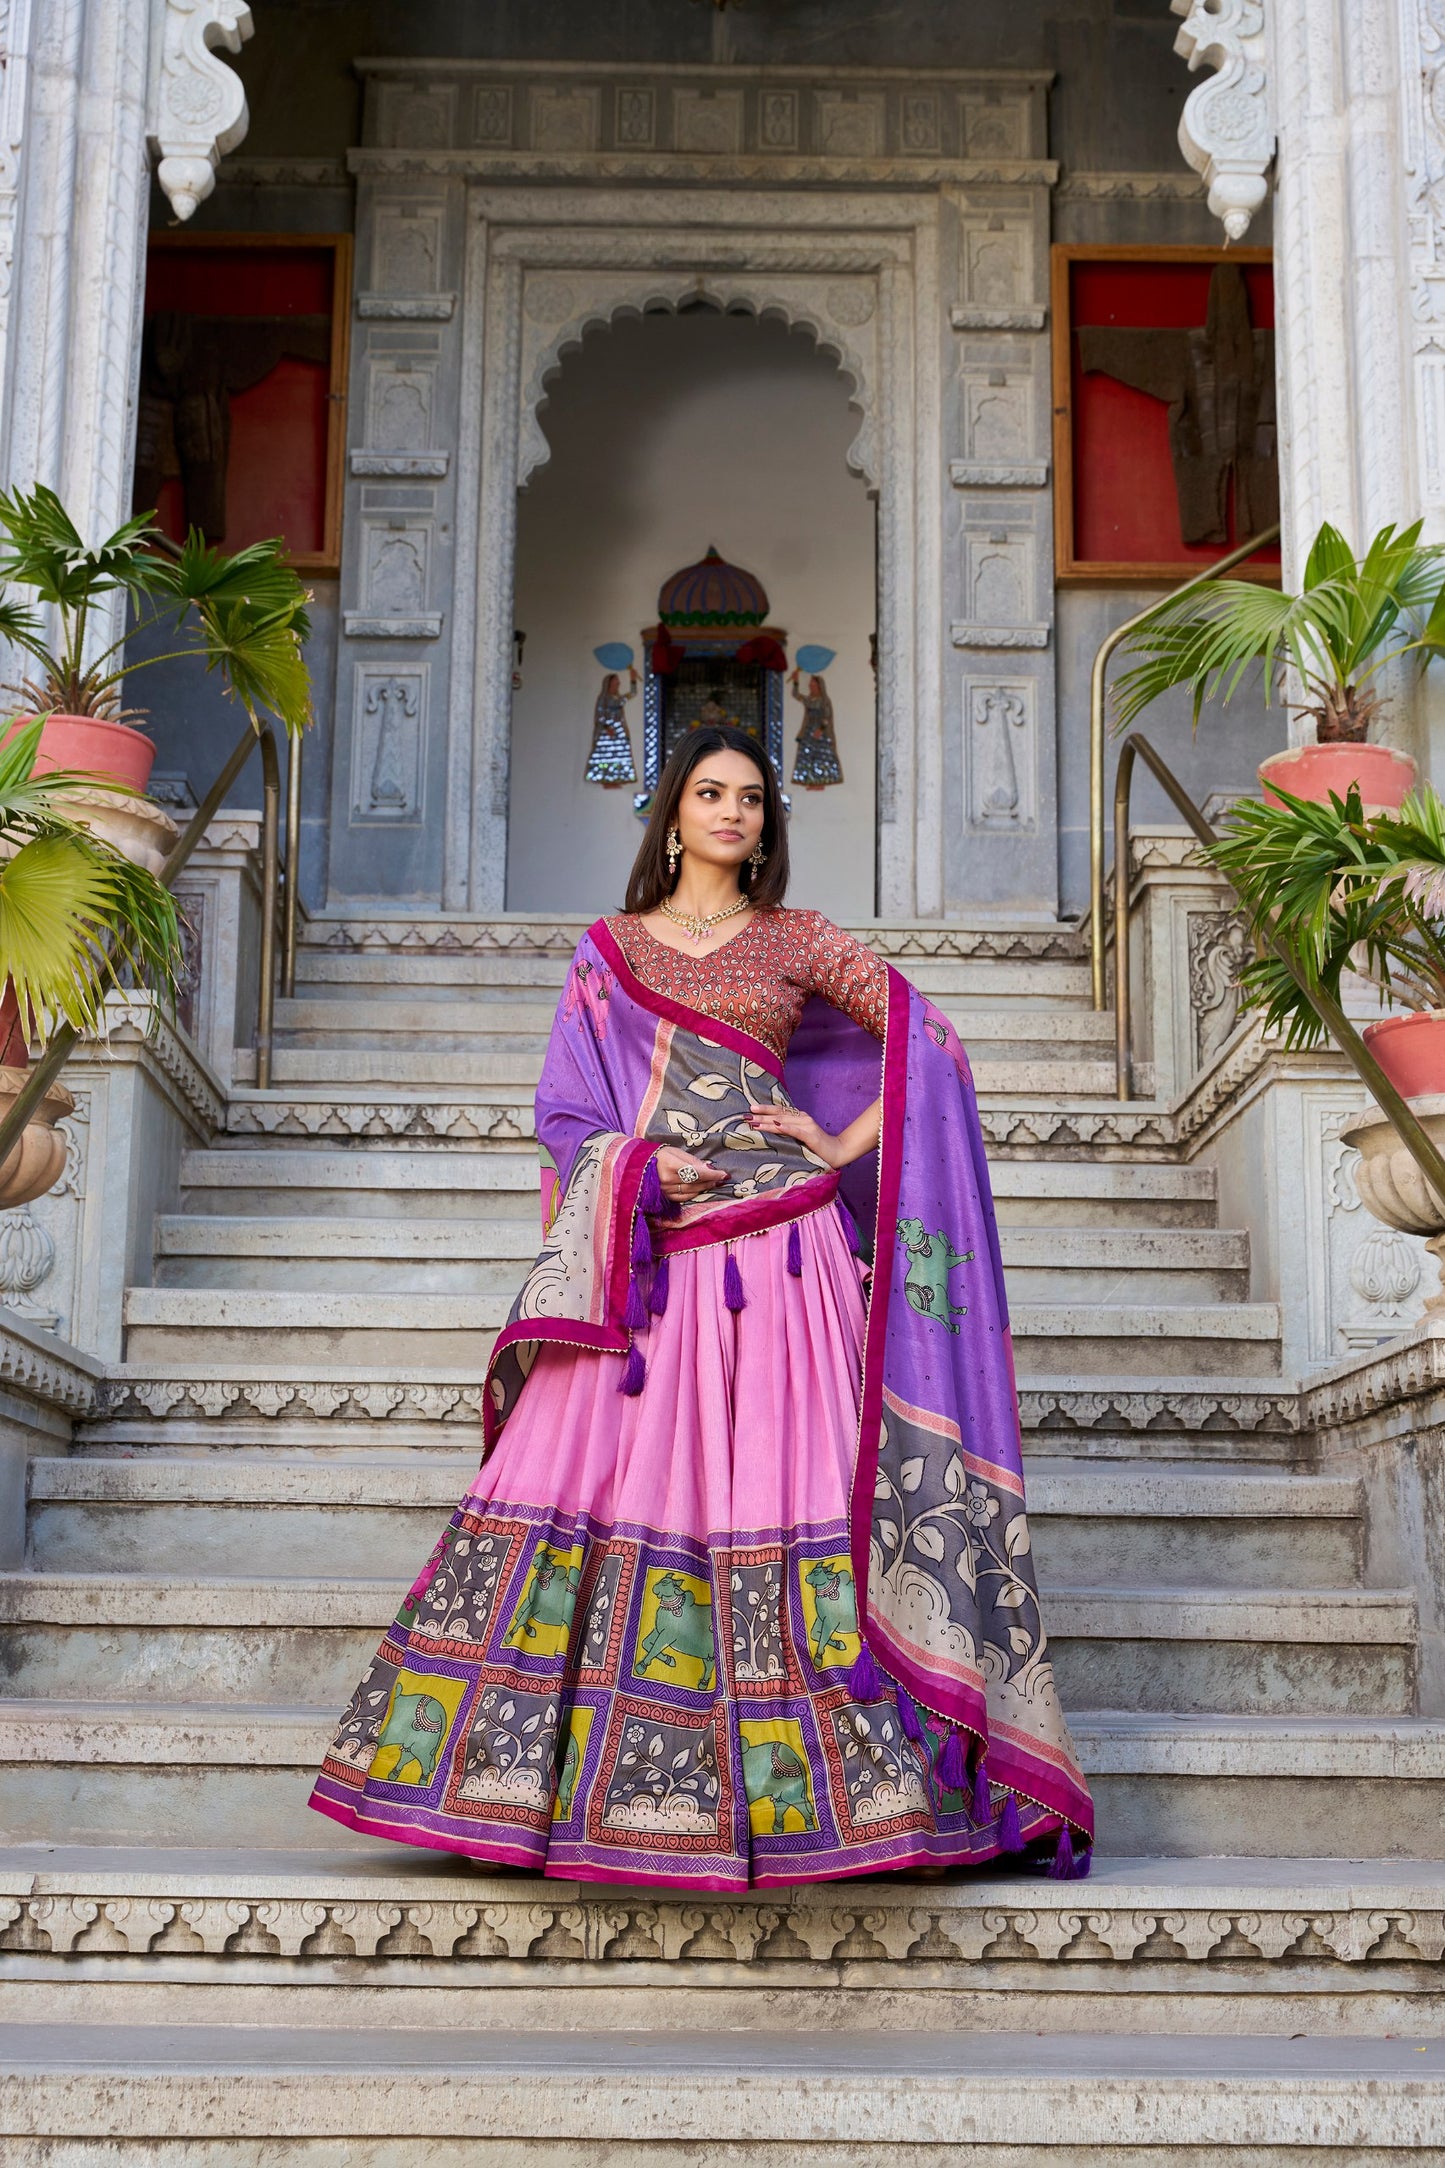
column 698, row 926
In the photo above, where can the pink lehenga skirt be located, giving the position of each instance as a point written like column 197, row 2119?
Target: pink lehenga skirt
column 630, row 1656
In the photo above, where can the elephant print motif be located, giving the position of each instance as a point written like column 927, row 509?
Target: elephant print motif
column 931, row 1258
column 835, row 1608
column 683, row 1628
column 775, row 1777
column 416, row 1725
column 548, row 1598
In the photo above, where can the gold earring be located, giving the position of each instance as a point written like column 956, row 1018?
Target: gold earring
column 757, row 856
column 674, row 849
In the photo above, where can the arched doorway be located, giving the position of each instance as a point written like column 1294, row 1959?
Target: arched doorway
column 668, row 433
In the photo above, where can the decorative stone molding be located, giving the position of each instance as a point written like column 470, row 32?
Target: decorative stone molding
column 977, row 474
column 668, row 122
column 558, row 937
column 420, row 466
column 483, row 1921
column 406, row 308
column 1129, row 188
column 1064, row 1129
column 425, row 625
column 1012, row 636
column 47, row 1370
column 973, row 316
column 464, row 1122
column 1224, row 130
column 285, row 173
column 1129, row 1408
column 198, row 107
column 155, row 1399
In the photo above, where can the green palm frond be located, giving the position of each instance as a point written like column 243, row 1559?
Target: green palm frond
column 43, row 549
column 76, row 918
column 259, row 654
column 1334, row 890
column 1349, row 618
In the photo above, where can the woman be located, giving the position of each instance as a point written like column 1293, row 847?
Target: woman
column 742, row 1591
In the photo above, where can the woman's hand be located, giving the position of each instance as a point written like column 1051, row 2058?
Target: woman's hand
column 670, row 1161
column 840, row 1151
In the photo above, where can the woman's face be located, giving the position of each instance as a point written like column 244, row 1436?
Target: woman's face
column 720, row 812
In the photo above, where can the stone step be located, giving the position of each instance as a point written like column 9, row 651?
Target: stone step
column 1360, row 1787
column 490, row 1256
column 201, row 1637
column 227, row 1177
column 410, row 1406
column 307, row 1514
column 267, row 1180
column 165, row 1323
column 516, row 1068
column 416, row 973
column 501, row 1025
column 590, row 2097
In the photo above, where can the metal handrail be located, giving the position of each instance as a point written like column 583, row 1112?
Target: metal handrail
column 1395, row 1109
column 43, row 1073
column 290, row 892
column 1098, row 688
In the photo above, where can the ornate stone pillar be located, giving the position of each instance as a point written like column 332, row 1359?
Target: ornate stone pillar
column 87, row 87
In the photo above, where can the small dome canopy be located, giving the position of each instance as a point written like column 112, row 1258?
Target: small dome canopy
column 712, row 592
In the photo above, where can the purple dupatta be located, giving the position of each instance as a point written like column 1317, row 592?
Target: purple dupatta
column 947, row 1601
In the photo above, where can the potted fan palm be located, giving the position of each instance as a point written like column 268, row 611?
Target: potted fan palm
column 244, row 615
column 1351, row 618
column 1341, row 889
column 77, row 919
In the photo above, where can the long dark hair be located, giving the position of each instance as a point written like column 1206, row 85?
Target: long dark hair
column 650, row 881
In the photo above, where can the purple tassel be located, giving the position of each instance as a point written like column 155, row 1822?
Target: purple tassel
column 795, row 1251
column 641, row 1242
column 1065, row 1867
column 982, row 1798
column 634, row 1370
column 951, row 1769
column 908, row 1718
column 733, row 1294
column 650, row 1196
column 657, row 1300
column 1010, row 1836
column 850, row 1229
column 635, row 1315
column 864, row 1680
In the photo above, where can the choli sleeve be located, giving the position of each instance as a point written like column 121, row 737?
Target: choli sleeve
column 848, row 975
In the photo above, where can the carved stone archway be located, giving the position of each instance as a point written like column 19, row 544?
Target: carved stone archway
column 856, row 292
column 501, row 209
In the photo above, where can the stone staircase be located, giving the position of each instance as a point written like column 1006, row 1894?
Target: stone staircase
column 210, row 1566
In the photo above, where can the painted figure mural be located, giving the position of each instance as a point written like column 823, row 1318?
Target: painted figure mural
column 815, row 760
column 609, row 760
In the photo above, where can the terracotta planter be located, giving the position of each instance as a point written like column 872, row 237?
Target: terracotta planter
column 1314, row 772
column 1411, row 1051
column 92, row 747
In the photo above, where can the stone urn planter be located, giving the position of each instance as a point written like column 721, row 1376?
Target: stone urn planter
column 1391, row 1185
column 1316, row 772
column 36, row 1163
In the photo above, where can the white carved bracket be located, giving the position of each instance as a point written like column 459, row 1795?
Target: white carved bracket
column 1224, row 130
column 198, row 107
